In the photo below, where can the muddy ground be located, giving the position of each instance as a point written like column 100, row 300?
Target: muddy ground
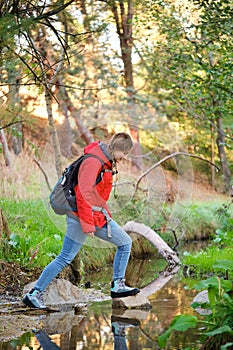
column 15, row 318
column 14, row 322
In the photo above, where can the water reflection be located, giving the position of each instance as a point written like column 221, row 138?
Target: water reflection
column 105, row 328
column 118, row 327
column 45, row 341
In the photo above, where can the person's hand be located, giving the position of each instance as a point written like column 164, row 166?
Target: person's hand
column 90, row 234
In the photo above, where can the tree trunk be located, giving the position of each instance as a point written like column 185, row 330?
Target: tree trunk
column 124, row 19
column 66, row 136
column 85, row 133
column 222, row 154
column 66, row 146
column 16, row 140
column 212, row 156
column 53, row 132
column 49, row 73
column 220, row 137
column 91, row 85
column 5, row 148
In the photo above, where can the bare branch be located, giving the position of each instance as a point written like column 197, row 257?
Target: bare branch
column 43, row 172
column 53, row 12
column 166, row 158
column 10, row 124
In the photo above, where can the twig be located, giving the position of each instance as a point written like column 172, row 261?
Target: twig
column 44, row 173
column 10, row 124
column 174, row 234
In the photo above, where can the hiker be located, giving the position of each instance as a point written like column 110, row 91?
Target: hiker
column 92, row 219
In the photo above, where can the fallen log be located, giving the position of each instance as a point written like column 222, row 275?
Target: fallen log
column 140, row 300
column 162, row 247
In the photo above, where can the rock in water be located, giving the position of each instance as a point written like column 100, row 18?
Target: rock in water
column 138, row 301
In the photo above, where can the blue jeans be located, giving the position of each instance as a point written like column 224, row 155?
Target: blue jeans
column 74, row 240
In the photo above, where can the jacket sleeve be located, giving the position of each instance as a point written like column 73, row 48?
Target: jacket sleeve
column 87, row 194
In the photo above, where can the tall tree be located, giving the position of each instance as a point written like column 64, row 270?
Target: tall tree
column 14, row 103
column 123, row 15
column 190, row 64
column 22, row 17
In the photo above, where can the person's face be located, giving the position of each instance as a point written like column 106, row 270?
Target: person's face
column 118, row 155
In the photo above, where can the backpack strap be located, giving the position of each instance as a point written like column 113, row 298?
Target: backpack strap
column 100, row 175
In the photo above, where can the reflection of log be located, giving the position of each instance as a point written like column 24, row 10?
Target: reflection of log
column 159, row 282
column 135, row 314
column 155, row 239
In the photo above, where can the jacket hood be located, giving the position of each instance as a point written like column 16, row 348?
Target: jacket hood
column 99, row 149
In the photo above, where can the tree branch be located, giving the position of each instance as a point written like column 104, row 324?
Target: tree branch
column 43, row 172
column 7, row 125
column 53, row 12
column 166, row 158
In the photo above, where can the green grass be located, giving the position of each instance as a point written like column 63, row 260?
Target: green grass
column 218, row 255
column 203, row 261
column 190, row 221
column 37, row 234
column 36, row 238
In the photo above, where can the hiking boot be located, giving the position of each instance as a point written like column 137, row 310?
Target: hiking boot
column 119, row 326
column 34, row 299
column 120, row 290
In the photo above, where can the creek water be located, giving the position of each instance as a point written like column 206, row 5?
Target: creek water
column 102, row 328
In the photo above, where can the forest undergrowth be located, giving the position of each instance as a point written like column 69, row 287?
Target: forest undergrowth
column 35, row 234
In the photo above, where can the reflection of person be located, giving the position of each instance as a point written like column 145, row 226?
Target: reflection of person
column 45, row 341
column 92, row 219
column 119, row 337
column 119, row 326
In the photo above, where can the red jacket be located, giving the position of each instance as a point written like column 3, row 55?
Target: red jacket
column 88, row 193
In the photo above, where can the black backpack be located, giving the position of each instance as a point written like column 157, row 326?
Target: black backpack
column 62, row 198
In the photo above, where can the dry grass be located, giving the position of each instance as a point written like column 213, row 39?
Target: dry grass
column 23, row 180
column 20, row 180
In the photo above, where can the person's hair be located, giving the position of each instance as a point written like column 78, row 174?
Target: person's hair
column 121, row 141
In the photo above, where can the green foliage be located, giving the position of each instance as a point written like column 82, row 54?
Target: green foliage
column 34, row 239
column 196, row 220
column 17, row 248
column 218, row 324
column 214, row 284
column 24, row 340
column 189, row 66
column 180, row 323
column 206, row 260
column 225, row 233
column 217, row 257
